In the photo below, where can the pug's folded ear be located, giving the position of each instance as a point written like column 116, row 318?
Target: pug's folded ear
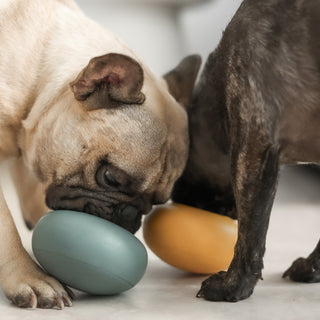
column 109, row 81
column 181, row 79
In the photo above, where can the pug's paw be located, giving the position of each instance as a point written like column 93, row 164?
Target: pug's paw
column 27, row 286
column 303, row 270
column 223, row 287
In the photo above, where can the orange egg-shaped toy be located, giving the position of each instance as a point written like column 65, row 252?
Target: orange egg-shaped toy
column 191, row 239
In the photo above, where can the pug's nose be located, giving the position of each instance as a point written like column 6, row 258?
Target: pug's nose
column 129, row 213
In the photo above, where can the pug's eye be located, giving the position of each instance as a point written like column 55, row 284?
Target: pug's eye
column 110, row 180
column 104, row 177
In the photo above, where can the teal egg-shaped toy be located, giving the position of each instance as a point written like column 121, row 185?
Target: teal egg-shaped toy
column 88, row 253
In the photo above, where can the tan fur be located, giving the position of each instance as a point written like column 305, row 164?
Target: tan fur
column 44, row 45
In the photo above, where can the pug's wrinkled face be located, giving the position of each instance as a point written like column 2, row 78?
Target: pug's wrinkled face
column 115, row 142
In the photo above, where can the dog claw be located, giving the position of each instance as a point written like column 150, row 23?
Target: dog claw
column 285, row 274
column 69, row 292
column 200, row 294
column 59, row 303
column 66, row 300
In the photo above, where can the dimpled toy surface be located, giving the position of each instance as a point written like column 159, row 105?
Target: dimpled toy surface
column 88, row 253
column 191, row 239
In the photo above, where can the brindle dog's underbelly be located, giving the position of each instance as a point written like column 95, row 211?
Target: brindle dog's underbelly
column 299, row 136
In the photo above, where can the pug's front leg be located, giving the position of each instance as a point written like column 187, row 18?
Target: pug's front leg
column 30, row 191
column 255, row 171
column 22, row 281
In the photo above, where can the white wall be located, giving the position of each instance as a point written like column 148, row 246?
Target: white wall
column 161, row 32
column 150, row 29
column 202, row 24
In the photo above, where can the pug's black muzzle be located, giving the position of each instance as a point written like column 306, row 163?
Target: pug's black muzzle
column 114, row 207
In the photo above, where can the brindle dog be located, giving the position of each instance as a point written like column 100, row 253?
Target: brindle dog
column 257, row 106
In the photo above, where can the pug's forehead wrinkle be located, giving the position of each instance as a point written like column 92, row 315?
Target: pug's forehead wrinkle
column 139, row 114
column 130, row 130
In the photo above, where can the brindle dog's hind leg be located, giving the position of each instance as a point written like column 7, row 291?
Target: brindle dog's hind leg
column 255, row 166
column 306, row 269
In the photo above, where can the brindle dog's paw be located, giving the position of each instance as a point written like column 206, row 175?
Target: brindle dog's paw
column 303, row 270
column 222, row 287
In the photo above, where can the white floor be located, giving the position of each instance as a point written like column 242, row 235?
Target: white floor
column 167, row 293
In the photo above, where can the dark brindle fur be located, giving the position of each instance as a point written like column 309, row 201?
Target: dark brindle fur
column 257, row 106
